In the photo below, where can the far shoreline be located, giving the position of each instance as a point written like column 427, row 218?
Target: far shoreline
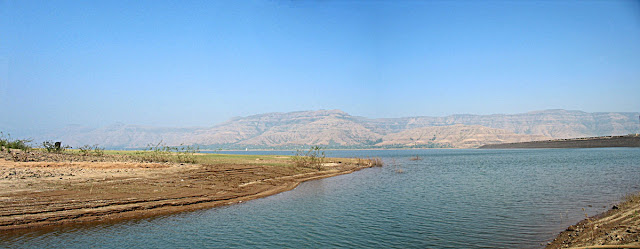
column 627, row 141
column 346, row 149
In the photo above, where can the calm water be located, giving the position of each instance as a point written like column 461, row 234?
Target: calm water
column 449, row 199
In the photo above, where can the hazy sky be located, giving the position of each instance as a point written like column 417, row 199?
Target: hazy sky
column 199, row 63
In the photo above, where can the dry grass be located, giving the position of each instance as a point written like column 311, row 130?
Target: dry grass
column 371, row 162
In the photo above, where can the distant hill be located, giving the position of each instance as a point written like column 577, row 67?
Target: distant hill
column 337, row 129
column 457, row 136
column 551, row 123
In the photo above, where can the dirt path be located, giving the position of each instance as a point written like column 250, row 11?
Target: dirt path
column 618, row 226
column 36, row 194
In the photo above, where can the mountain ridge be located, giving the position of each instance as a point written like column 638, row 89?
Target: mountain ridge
column 338, row 129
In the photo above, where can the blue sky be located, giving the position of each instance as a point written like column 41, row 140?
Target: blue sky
column 199, row 63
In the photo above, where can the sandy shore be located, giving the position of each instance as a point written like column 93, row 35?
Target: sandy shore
column 44, row 193
column 618, row 226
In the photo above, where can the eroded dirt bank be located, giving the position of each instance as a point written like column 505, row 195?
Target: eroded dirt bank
column 618, row 226
column 43, row 193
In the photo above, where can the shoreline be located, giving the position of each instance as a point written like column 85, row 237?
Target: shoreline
column 618, row 226
column 207, row 151
column 45, row 194
column 586, row 142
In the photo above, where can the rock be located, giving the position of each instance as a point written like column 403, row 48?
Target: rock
column 615, row 207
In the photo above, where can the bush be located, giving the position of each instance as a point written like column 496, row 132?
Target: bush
column 7, row 143
column 155, row 153
column 313, row 158
column 162, row 153
column 87, row 150
column 371, row 162
column 98, row 151
column 376, row 162
column 56, row 147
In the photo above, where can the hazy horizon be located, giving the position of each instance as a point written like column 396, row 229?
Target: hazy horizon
column 186, row 64
column 47, row 131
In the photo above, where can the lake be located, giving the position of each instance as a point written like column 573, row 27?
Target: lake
column 448, row 199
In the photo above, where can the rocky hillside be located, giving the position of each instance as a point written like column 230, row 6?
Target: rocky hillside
column 335, row 128
column 551, row 123
column 457, row 136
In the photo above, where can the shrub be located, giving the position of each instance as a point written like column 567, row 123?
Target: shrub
column 376, row 161
column 98, row 151
column 186, row 154
column 155, row 153
column 313, row 158
column 54, row 147
column 87, row 150
column 371, row 162
column 162, row 153
column 21, row 144
column 7, row 143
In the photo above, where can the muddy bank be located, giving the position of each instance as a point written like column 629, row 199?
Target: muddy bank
column 618, row 226
column 53, row 192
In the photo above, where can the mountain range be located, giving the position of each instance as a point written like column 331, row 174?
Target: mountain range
column 337, row 129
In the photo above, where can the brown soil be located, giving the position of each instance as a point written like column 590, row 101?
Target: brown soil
column 618, row 226
column 63, row 190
